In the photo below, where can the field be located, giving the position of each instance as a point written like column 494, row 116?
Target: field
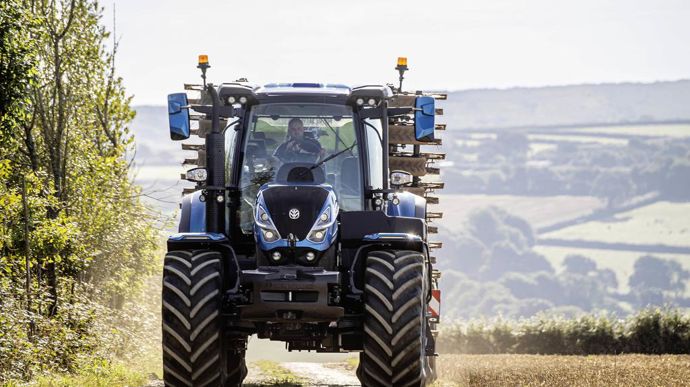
column 538, row 370
column 555, row 137
column 661, row 223
column 540, row 211
column 654, row 226
column 657, row 130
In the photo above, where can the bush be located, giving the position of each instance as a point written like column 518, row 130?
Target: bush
column 84, row 335
column 657, row 332
column 651, row 331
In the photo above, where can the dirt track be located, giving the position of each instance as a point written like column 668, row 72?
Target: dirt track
column 312, row 374
column 318, row 374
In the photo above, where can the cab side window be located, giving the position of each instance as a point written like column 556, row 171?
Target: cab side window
column 374, row 134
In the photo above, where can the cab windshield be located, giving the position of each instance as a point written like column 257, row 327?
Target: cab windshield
column 291, row 134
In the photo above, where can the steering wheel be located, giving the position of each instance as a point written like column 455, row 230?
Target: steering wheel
column 309, row 145
column 311, row 150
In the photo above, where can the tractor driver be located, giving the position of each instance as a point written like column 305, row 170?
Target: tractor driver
column 297, row 147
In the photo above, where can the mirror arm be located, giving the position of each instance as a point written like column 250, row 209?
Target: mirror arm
column 371, row 113
column 400, row 111
column 223, row 111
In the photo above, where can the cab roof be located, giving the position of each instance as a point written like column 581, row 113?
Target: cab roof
column 303, row 88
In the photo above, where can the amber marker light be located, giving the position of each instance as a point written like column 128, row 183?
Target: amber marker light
column 203, row 66
column 401, row 67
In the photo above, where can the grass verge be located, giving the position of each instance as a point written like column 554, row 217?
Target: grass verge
column 275, row 375
column 97, row 374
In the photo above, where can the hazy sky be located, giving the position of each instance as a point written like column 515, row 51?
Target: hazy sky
column 450, row 44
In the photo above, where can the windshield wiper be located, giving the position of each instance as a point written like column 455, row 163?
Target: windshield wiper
column 337, row 137
column 334, row 155
column 329, row 158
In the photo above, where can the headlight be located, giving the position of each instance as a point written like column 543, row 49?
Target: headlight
column 317, row 236
column 270, row 235
column 269, row 232
column 262, row 218
column 325, row 220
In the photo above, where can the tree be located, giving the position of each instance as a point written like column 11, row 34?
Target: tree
column 63, row 121
column 615, row 187
column 71, row 140
column 651, row 272
column 579, row 264
column 676, row 185
column 468, row 254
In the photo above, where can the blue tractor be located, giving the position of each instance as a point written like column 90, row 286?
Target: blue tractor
column 308, row 224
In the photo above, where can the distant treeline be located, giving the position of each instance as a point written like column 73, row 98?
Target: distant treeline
column 504, row 165
column 651, row 331
column 490, row 268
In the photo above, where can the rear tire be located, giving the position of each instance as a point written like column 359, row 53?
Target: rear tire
column 394, row 320
column 193, row 353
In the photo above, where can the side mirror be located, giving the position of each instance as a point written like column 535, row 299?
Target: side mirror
column 178, row 116
column 424, row 118
column 400, row 179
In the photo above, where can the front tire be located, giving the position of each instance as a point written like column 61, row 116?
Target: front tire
column 394, row 320
column 193, row 351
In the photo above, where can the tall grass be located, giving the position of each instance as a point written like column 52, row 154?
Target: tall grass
column 650, row 331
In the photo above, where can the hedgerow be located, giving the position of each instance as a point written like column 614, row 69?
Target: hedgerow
column 650, row 331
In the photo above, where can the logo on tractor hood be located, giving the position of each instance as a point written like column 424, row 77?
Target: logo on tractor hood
column 294, row 214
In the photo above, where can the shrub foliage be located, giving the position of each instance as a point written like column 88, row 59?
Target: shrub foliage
column 75, row 240
column 650, row 331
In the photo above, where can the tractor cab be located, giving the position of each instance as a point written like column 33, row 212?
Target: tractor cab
column 305, row 158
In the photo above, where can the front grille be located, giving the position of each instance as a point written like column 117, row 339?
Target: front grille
column 307, row 200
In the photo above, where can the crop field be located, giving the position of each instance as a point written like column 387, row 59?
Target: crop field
column 540, row 211
column 663, row 130
column 555, row 137
column 539, row 370
column 661, row 223
column 537, row 147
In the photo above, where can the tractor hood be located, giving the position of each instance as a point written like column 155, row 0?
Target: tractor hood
column 295, row 216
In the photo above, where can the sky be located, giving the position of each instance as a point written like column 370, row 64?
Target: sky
column 450, row 45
